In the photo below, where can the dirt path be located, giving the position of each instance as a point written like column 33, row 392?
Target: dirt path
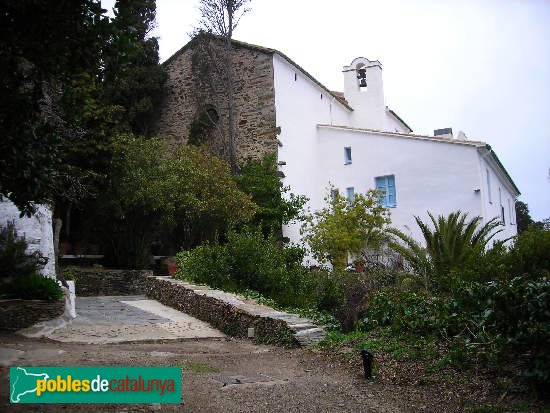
column 293, row 380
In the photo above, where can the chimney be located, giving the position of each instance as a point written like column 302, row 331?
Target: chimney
column 444, row 133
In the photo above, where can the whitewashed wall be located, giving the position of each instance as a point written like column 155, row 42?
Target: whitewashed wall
column 501, row 193
column 393, row 125
column 37, row 230
column 299, row 108
column 432, row 175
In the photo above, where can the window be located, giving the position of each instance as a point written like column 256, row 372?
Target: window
column 350, row 193
column 489, row 186
column 386, row 187
column 347, row 155
column 510, row 214
column 502, row 219
column 334, row 193
column 212, row 114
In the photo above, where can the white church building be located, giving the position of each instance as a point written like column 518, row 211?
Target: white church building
column 349, row 139
column 357, row 143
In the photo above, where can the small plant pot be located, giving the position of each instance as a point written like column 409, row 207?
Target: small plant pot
column 171, row 267
column 360, row 267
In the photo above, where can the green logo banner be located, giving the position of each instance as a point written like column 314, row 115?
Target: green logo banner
column 95, row 385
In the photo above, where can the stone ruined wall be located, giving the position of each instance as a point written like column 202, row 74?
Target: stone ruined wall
column 18, row 314
column 254, row 101
column 95, row 282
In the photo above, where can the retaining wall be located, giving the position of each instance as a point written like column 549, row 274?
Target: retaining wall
column 95, row 282
column 18, row 314
column 230, row 313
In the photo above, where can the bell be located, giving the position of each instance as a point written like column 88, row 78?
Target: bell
column 361, row 73
column 363, row 83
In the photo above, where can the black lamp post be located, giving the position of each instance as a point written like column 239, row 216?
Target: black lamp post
column 367, row 362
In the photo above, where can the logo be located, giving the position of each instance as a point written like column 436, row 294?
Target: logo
column 95, row 385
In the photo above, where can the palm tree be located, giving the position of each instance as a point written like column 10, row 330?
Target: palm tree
column 449, row 244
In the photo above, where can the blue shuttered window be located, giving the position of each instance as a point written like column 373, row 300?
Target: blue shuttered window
column 350, row 193
column 347, row 155
column 386, row 187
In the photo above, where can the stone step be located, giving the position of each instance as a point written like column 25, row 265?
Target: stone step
column 300, row 327
column 310, row 337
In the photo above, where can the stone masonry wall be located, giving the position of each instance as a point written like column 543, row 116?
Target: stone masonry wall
column 222, row 310
column 230, row 313
column 95, row 282
column 18, row 314
column 254, row 101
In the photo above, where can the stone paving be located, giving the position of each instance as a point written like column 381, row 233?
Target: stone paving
column 117, row 319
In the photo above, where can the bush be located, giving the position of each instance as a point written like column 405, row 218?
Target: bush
column 491, row 322
column 276, row 204
column 329, row 291
column 206, row 264
column 405, row 312
column 249, row 261
column 34, row 287
column 530, row 253
column 14, row 259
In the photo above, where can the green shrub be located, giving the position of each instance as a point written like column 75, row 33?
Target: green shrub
column 205, row 264
column 491, row 322
column 34, row 287
column 405, row 312
column 69, row 274
column 250, row 261
column 345, row 293
column 330, row 294
column 276, row 204
column 530, row 254
column 15, row 261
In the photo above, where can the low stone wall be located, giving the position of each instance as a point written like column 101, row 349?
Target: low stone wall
column 18, row 314
column 95, row 282
column 232, row 314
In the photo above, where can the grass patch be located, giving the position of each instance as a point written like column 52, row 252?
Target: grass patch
column 401, row 348
column 196, row 367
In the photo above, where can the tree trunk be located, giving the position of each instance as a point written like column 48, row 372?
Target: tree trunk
column 230, row 96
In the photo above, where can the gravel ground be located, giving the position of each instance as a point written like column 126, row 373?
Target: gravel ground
column 294, row 380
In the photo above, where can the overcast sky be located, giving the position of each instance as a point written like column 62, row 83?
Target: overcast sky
column 482, row 67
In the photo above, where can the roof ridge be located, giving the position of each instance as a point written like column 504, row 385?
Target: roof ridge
column 262, row 49
column 407, row 135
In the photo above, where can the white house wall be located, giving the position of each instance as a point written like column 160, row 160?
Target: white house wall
column 299, row 108
column 393, row 125
column 438, row 177
column 501, row 194
column 37, row 231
